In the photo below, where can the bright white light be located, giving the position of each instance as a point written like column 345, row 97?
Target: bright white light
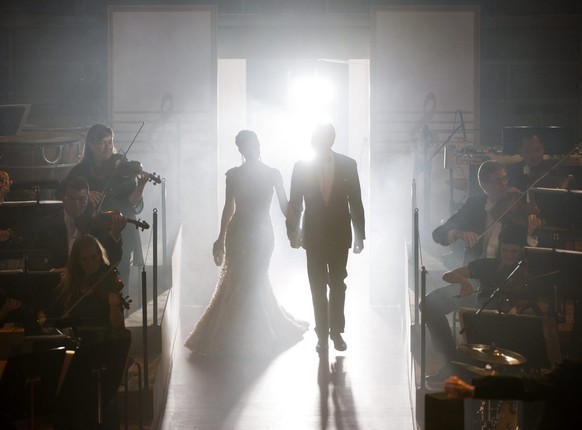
column 312, row 92
column 311, row 100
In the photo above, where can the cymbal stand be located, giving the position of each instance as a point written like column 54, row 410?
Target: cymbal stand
column 99, row 371
column 33, row 381
column 494, row 293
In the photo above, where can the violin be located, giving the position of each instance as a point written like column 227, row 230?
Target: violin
column 514, row 208
column 108, row 280
column 104, row 219
column 118, row 165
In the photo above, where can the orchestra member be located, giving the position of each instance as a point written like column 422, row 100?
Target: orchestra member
column 490, row 273
column 89, row 297
column 533, row 166
column 90, row 290
column 58, row 231
column 113, row 188
column 478, row 223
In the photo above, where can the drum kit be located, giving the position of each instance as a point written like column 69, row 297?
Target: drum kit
column 493, row 414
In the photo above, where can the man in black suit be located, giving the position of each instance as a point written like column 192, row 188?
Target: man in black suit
column 330, row 187
column 57, row 232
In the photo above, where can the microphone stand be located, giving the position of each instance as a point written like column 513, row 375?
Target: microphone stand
column 495, row 293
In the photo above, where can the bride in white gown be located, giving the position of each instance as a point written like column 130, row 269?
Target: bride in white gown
column 244, row 317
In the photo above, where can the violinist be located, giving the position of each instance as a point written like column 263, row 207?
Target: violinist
column 57, row 232
column 490, row 273
column 533, row 165
column 90, row 292
column 476, row 223
column 89, row 300
column 112, row 187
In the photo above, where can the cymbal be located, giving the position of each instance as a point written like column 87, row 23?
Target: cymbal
column 481, row 371
column 492, row 354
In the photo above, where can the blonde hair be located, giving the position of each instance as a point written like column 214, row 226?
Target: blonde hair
column 74, row 277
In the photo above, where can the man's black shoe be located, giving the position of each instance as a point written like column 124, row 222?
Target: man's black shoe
column 321, row 346
column 338, row 342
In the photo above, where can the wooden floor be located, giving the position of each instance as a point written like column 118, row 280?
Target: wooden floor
column 365, row 387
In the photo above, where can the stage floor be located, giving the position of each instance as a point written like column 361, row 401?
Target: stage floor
column 365, row 387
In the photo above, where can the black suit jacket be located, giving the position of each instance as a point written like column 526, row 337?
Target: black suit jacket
column 471, row 217
column 52, row 235
column 327, row 225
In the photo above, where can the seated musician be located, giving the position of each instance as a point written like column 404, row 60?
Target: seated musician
column 476, row 224
column 58, row 232
column 90, row 293
column 560, row 388
column 490, row 272
column 89, row 300
column 533, row 166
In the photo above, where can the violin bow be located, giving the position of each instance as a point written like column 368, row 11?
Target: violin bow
column 532, row 186
column 91, row 288
column 115, row 167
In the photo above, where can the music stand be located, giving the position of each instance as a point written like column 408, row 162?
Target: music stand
column 29, row 383
column 92, row 380
column 567, row 265
column 560, row 208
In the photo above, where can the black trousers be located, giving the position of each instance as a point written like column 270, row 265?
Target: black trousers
column 327, row 267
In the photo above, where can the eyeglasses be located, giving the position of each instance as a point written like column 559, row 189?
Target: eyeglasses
column 83, row 200
column 500, row 180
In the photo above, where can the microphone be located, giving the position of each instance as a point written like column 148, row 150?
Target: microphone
column 463, row 126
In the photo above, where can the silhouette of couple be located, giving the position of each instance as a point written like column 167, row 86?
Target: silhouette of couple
column 244, row 317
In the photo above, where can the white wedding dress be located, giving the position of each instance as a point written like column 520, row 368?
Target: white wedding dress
column 244, row 317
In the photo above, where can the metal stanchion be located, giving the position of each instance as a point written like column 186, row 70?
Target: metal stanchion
column 422, row 332
column 155, row 268
column 416, row 268
column 164, row 232
column 144, row 309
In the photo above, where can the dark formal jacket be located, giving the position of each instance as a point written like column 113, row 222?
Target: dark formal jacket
column 52, row 236
column 471, row 217
column 327, row 225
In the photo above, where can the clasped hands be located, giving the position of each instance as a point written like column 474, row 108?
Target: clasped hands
column 218, row 251
column 296, row 240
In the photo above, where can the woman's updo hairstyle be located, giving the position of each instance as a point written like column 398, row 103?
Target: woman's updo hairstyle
column 244, row 136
